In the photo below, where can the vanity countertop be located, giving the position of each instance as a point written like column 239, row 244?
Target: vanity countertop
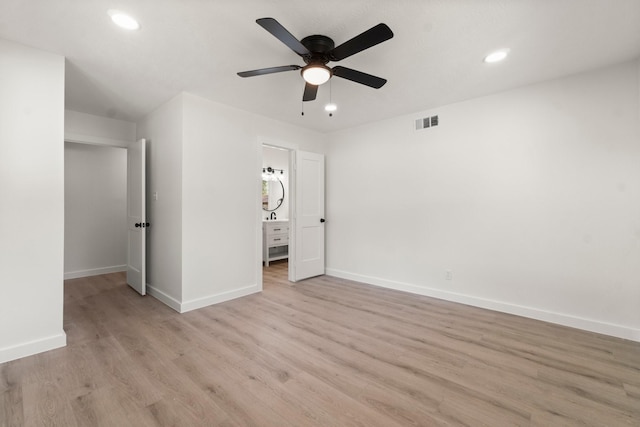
column 275, row 220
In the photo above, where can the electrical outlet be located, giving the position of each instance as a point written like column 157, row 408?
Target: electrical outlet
column 448, row 275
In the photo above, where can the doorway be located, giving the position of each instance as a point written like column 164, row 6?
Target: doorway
column 276, row 204
column 305, row 217
column 95, row 209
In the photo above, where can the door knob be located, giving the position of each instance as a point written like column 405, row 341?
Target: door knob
column 322, row 220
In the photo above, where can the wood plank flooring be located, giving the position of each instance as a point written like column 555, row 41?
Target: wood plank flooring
column 324, row 352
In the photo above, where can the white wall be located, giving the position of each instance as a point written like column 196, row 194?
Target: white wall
column 87, row 128
column 163, row 130
column 531, row 198
column 205, row 164
column 31, row 200
column 95, row 238
column 278, row 159
column 222, row 170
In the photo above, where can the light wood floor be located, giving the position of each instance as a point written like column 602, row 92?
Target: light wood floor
column 324, row 352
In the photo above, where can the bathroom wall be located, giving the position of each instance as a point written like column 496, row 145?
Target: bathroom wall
column 278, row 159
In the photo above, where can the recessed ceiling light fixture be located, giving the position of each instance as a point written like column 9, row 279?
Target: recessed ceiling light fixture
column 496, row 56
column 316, row 74
column 123, row 20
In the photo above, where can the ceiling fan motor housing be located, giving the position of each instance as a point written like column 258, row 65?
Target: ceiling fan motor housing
column 319, row 46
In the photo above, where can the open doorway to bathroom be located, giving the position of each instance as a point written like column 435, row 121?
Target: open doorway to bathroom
column 276, row 206
column 297, row 229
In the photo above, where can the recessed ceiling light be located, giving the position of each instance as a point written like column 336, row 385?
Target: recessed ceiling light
column 496, row 56
column 123, row 20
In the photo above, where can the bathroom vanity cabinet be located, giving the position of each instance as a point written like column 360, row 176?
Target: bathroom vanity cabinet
column 275, row 240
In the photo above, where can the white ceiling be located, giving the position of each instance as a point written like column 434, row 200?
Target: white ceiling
column 434, row 59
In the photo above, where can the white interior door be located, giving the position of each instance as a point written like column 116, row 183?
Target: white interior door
column 309, row 215
column 136, row 217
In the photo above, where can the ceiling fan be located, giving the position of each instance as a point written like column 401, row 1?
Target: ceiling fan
column 317, row 50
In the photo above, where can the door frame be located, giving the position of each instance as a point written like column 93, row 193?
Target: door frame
column 96, row 142
column 292, row 149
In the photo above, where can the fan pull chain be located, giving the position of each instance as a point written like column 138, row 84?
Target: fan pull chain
column 302, row 108
column 330, row 97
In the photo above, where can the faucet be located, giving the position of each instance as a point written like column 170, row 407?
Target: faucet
column 272, row 216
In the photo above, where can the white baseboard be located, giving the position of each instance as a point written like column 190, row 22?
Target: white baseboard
column 519, row 310
column 163, row 298
column 33, row 347
column 197, row 303
column 183, row 307
column 94, row 271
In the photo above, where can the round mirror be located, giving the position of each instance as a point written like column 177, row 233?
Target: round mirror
column 272, row 194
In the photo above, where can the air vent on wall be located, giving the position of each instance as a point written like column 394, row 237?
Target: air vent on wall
column 426, row 122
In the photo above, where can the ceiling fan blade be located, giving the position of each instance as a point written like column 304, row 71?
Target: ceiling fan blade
column 310, row 92
column 369, row 38
column 269, row 70
column 281, row 33
column 359, row 77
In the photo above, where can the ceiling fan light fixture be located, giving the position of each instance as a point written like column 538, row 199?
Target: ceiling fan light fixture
column 316, row 74
column 330, row 107
column 123, row 20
